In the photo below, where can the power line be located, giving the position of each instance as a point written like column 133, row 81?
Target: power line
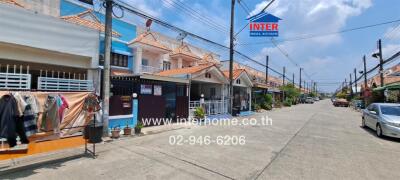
column 311, row 36
column 182, row 8
column 142, row 14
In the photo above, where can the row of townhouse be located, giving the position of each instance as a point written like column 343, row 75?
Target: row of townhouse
column 59, row 45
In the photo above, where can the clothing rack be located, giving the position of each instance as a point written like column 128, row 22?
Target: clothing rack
column 87, row 150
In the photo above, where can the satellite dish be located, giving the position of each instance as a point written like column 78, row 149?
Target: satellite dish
column 181, row 36
column 148, row 24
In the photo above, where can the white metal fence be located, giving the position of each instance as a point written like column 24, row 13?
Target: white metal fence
column 15, row 81
column 11, row 79
column 60, row 84
column 211, row 107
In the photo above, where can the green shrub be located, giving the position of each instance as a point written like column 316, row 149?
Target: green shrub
column 278, row 104
column 256, row 106
column 199, row 112
column 287, row 102
column 268, row 99
column 268, row 107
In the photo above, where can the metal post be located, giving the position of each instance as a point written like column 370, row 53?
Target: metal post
column 365, row 80
column 106, row 73
column 283, row 77
column 355, row 80
column 300, row 79
column 231, row 55
column 351, row 87
column 293, row 80
column 266, row 71
column 283, row 83
column 380, row 61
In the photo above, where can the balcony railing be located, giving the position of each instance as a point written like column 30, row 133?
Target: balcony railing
column 211, row 107
column 150, row 69
column 15, row 81
column 59, row 84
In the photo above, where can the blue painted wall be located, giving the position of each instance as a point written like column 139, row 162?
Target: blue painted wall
column 127, row 31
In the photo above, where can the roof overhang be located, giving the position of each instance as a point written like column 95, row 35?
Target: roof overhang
column 184, row 57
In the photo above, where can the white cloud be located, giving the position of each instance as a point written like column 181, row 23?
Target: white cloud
column 305, row 17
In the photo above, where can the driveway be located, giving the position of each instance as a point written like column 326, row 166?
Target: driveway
column 310, row 141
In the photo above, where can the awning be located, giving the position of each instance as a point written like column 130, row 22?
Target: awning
column 395, row 86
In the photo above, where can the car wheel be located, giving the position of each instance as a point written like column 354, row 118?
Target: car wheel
column 363, row 123
column 379, row 131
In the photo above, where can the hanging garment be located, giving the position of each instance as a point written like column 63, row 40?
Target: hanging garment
column 20, row 103
column 92, row 103
column 50, row 118
column 63, row 105
column 20, row 131
column 8, row 114
column 31, row 115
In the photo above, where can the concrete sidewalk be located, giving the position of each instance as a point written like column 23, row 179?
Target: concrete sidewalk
column 37, row 160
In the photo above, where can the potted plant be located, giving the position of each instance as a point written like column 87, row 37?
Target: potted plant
column 127, row 129
column 115, row 132
column 199, row 113
column 138, row 128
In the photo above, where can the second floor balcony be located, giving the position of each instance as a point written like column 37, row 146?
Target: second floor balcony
column 149, row 69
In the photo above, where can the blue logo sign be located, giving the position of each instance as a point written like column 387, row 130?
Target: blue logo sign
column 264, row 25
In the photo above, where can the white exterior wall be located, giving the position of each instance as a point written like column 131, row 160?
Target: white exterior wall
column 37, row 38
column 23, row 27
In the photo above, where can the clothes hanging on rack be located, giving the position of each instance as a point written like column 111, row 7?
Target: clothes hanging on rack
column 50, row 118
column 8, row 112
column 92, row 103
column 12, row 123
column 20, row 103
column 61, row 108
column 31, row 114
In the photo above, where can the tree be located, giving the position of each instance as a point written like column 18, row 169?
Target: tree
column 291, row 92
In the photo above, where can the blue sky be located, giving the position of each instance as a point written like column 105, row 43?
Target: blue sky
column 326, row 59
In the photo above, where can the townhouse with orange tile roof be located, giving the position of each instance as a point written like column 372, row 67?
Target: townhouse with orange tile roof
column 46, row 58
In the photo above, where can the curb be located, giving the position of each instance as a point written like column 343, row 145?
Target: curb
column 34, row 161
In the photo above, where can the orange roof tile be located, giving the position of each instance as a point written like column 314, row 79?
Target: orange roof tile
column 236, row 73
column 148, row 38
column 119, row 72
column 12, row 2
column 208, row 59
column 78, row 19
column 188, row 70
column 184, row 50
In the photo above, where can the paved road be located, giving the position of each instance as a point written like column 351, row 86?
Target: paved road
column 304, row 142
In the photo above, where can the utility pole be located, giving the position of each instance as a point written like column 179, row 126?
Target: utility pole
column 365, row 79
column 380, row 61
column 304, row 86
column 231, row 55
column 293, row 80
column 283, row 78
column 266, row 71
column 106, row 72
column 351, row 87
column 355, row 80
column 300, row 79
column 315, row 88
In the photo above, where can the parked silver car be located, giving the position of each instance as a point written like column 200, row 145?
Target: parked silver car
column 384, row 118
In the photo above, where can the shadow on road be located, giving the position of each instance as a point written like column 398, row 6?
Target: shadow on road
column 372, row 132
